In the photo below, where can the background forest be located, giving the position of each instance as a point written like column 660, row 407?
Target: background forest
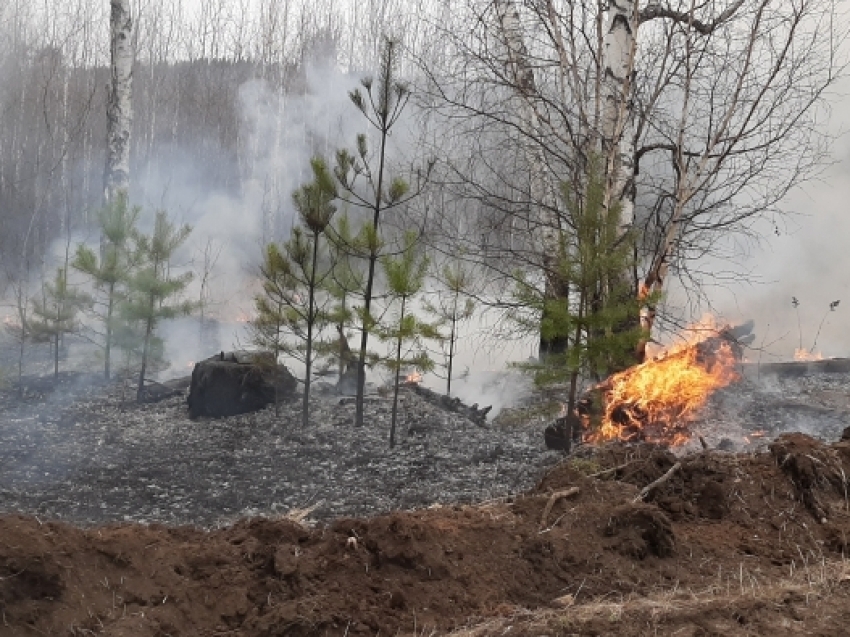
column 720, row 113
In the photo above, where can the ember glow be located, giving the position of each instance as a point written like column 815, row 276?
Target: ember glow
column 413, row 379
column 802, row 354
column 655, row 401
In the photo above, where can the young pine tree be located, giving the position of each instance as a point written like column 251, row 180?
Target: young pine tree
column 55, row 314
column 452, row 309
column 345, row 280
column 153, row 291
column 405, row 274
column 291, row 310
column 313, row 201
column 591, row 319
column 111, row 271
column 366, row 181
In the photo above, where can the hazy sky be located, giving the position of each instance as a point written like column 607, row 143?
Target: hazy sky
column 809, row 260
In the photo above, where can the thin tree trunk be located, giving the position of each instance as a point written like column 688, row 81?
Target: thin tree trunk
column 143, row 368
column 311, row 319
column 109, row 311
column 21, row 352
column 546, row 221
column 397, row 375
column 452, row 337
column 370, row 282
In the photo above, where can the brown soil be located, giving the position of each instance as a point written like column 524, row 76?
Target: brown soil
column 727, row 545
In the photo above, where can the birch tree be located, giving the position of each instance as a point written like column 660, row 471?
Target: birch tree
column 705, row 115
column 119, row 106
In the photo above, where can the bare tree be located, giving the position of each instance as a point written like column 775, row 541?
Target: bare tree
column 705, row 115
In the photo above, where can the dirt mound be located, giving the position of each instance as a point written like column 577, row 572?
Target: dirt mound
column 721, row 544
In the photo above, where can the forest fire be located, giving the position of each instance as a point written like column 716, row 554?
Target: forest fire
column 655, row 401
column 413, row 378
column 802, row 354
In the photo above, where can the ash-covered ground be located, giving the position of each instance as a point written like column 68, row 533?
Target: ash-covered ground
column 80, row 454
column 768, row 400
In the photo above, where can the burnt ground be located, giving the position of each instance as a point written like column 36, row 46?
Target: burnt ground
column 750, row 542
column 79, row 453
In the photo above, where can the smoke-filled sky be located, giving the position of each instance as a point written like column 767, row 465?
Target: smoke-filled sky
column 808, row 258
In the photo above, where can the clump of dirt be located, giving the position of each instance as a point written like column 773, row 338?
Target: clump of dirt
column 725, row 544
column 813, row 469
column 639, row 530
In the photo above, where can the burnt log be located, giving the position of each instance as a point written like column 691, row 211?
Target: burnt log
column 474, row 413
column 154, row 392
column 232, row 383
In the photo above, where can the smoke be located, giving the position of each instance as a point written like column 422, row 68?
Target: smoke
column 279, row 132
column 802, row 255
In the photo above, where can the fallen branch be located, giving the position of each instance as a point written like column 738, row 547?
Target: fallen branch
column 653, row 485
column 566, row 493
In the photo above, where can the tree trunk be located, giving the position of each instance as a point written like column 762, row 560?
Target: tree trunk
column 311, row 319
column 545, row 219
column 370, row 282
column 144, row 364
column 617, row 138
column 397, row 376
column 620, row 49
column 452, row 337
column 109, row 311
column 119, row 108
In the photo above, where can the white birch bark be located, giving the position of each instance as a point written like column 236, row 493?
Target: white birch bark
column 619, row 51
column 545, row 219
column 119, row 109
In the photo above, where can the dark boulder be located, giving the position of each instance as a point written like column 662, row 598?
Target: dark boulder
column 233, row 383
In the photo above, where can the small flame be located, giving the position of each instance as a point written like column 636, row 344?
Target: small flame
column 413, row 379
column 802, row 354
column 657, row 399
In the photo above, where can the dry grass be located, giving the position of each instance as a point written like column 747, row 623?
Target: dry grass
column 675, row 607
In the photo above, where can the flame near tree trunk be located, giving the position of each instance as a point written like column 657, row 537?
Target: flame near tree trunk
column 656, row 400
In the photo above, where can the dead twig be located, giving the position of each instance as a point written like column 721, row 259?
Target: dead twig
column 566, row 493
column 655, row 484
column 599, row 474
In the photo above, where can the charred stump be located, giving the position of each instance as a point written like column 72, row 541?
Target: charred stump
column 238, row 382
column 562, row 433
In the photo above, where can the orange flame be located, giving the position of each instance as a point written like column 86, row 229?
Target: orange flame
column 802, row 354
column 657, row 399
column 413, row 379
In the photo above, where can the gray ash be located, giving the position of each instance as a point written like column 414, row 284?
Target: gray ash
column 92, row 460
